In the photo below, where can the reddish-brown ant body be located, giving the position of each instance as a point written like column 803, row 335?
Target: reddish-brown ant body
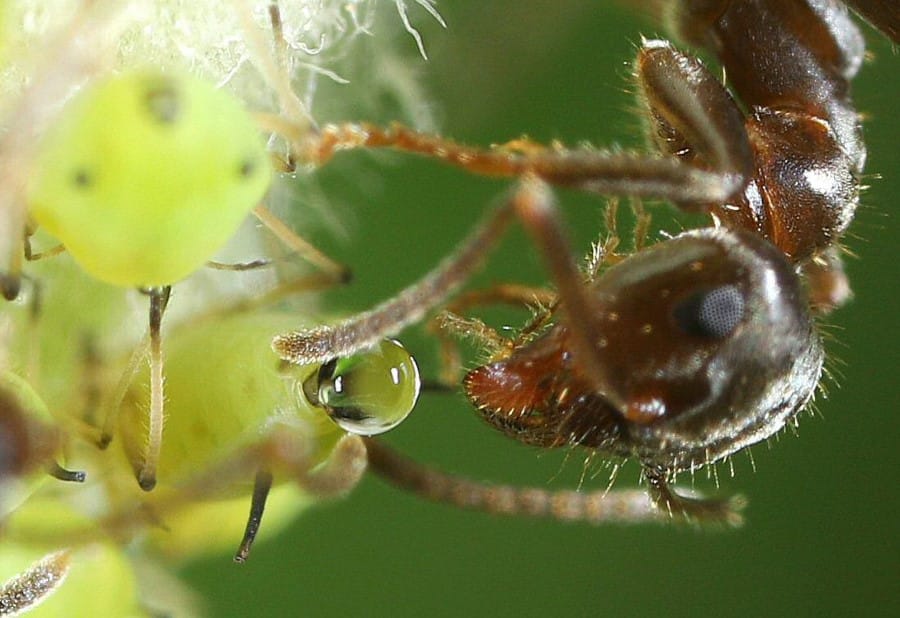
column 690, row 350
column 693, row 349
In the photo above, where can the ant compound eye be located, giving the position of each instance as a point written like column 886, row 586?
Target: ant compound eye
column 711, row 314
column 367, row 393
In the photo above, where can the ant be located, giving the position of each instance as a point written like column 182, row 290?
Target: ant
column 699, row 346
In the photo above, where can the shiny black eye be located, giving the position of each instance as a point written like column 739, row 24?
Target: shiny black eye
column 712, row 314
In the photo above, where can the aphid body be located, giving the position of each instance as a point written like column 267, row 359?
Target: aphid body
column 241, row 418
column 31, row 443
column 147, row 174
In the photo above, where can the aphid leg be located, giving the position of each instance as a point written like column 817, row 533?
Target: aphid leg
column 159, row 298
column 691, row 509
column 113, row 406
column 71, row 476
column 11, row 278
column 31, row 256
column 274, row 67
column 338, row 475
column 597, row 507
column 338, row 272
column 261, row 486
column 240, row 266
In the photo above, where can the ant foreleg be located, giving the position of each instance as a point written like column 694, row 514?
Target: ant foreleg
column 322, row 344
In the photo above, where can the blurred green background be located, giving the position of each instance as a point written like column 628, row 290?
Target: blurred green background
column 821, row 536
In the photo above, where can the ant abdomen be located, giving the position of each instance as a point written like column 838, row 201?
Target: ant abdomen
column 707, row 346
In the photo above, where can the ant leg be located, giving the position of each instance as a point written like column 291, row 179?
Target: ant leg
column 826, row 281
column 691, row 509
column 597, row 507
column 536, row 209
column 694, row 120
column 642, row 220
column 322, row 344
column 27, row 590
column 261, row 486
column 159, row 298
column 449, row 325
column 883, row 15
column 693, row 117
column 625, row 173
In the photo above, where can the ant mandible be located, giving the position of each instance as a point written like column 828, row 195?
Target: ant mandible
column 693, row 349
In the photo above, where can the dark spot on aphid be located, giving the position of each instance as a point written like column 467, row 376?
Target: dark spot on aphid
column 163, row 101
column 247, row 169
column 82, row 178
column 712, row 314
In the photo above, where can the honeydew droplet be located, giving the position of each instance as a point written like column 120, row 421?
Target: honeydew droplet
column 367, row 393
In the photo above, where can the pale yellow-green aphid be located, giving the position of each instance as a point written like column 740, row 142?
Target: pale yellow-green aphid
column 143, row 178
column 236, row 410
column 146, row 175
column 30, row 443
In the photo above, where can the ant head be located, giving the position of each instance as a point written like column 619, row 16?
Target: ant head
column 707, row 346
column 704, row 345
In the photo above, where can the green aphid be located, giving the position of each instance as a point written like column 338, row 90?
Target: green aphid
column 147, row 174
column 238, row 417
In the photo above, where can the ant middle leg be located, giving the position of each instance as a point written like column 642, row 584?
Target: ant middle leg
column 628, row 506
